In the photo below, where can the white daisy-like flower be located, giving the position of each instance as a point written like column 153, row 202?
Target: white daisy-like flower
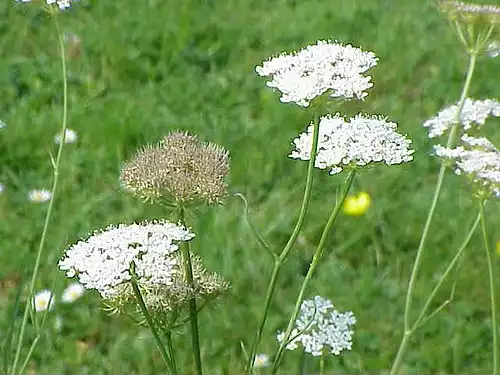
column 319, row 326
column 324, row 67
column 39, row 196
column 71, row 137
column 73, row 292
column 479, row 160
column 360, row 141
column 474, row 112
column 43, row 300
column 104, row 260
column 62, row 4
column 261, row 360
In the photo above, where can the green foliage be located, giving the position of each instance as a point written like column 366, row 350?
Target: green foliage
column 147, row 68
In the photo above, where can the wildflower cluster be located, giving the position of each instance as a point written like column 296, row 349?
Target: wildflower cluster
column 474, row 112
column 360, row 141
column 319, row 326
column 470, row 13
column 479, row 160
column 179, row 170
column 316, row 69
column 146, row 253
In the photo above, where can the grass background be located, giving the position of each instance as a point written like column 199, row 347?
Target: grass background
column 145, row 69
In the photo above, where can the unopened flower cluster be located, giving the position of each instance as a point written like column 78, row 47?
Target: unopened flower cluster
column 324, row 67
column 360, row 141
column 108, row 260
column 474, row 114
column 62, row 4
column 319, row 327
column 180, row 169
column 479, row 160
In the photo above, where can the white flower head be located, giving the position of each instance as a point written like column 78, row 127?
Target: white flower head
column 479, row 160
column 43, row 300
column 319, row 326
column 360, row 141
column 2, row 188
column 474, row 112
column 261, row 360
column 73, row 292
column 493, row 49
column 71, row 137
column 316, row 69
column 104, row 260
column 39, row 196
column 2, row 124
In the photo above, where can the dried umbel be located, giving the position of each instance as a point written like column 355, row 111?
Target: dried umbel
column 181, row 170
column 471, row 13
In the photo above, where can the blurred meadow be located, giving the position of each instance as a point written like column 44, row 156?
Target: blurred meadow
column 139, row 70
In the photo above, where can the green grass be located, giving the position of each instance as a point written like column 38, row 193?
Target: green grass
column 147, row 68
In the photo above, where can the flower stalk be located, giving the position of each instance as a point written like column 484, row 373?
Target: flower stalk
column 312, row 268
column 55, row 182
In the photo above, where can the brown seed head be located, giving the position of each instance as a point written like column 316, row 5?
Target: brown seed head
column 180, row 169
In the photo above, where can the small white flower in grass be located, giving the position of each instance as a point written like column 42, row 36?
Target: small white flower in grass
column 62, row 4
column 360, row 141
column 319, row 326
column 2, row 188
column 474, row 112
column 493, row 49
column 72, row 292
column 39, row 196
column 479, row 160
column 261, row 360
column 316, row 69
column 43, row 300
column 104, row 260
column 2, row 124
column 71, row 137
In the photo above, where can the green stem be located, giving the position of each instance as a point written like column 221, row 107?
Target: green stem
column 408, row 332
column 312, row 268
column 454, row 132
column 152, row 327
column 170, row 348
column 286, row 250
column 492, row 289
column 193, row 312
column 48, row 216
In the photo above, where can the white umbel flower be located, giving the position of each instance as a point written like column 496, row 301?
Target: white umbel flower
column 360, row 141
column 474, row 112
column 39, row 196
column 43, row 300
column 479, row 160
column 71, row 137
column 104, row 260
column 73, row 292
column 316, row 69
column 319, row 326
